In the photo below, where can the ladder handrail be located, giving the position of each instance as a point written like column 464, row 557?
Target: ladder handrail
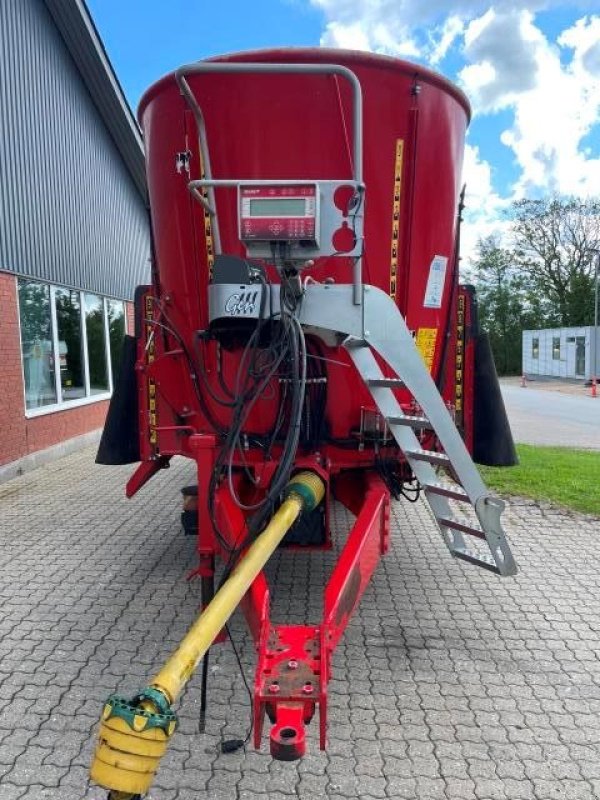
column 201, row 67
column 205, row 67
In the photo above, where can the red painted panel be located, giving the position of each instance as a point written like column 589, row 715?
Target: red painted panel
column 355, row 566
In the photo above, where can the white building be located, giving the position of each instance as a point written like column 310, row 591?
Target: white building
column 561, row 352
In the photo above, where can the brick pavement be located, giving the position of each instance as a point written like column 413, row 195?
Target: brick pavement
column 450, row 683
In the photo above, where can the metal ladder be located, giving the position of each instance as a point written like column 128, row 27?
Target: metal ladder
column 469, row 487
column 377, row 326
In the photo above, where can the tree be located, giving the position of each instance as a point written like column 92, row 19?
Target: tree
column 504, row 302
column 554, row 242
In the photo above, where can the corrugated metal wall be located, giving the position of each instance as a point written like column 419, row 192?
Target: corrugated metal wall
column 69, row 210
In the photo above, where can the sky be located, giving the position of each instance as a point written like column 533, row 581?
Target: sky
column 531, row 70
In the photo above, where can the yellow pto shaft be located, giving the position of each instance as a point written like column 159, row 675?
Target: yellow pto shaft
column 134, row 734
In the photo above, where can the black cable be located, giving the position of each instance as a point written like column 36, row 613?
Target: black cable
column 291, row 340
column 296, row 350
column 234, row 397
column 284, row 468
column 319, row 392
column 244, row 397
column 203, row 698
column 170, row 328
column 232, row 745
column 398, row 486
column 206, row 383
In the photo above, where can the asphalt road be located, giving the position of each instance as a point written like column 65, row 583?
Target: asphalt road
column 550, row 418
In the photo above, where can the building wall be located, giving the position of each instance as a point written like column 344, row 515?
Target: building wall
column 70, row 213
column 565, row 366
column 13, row 441
column 20, row 435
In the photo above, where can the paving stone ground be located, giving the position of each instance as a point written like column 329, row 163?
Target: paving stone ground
column 450, row 682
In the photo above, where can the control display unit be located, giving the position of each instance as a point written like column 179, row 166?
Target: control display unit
column 279, row 213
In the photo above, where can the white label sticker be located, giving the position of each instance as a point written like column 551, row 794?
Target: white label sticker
column 435, row 284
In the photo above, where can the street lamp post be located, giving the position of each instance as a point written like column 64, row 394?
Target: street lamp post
column 595, row 346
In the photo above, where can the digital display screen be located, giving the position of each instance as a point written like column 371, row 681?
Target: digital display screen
column 278, row 207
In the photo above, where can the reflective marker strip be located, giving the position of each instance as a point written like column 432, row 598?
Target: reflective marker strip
column 396, row 217
column 150, row 358
column 459, row 359
column 208, row 231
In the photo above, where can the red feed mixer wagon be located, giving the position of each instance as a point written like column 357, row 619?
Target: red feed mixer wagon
column 304, row 340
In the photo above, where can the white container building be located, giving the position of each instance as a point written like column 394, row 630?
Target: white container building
column 561, row 352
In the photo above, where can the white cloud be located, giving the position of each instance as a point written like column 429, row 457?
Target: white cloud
column 502, row 50
column 483, row 206
column 550, row 87
column 451, row 29
column 375, row 27
column 555, row 105
column 351, row 37
column 408, row 23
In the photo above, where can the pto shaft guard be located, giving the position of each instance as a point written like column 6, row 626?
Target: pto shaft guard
column 134, row 734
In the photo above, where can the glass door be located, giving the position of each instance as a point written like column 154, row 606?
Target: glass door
column 580, row 356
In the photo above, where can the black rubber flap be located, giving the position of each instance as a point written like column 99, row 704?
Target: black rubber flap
column 493, row 442
column 120, row 438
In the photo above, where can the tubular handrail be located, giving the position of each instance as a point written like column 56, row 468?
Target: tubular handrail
column 206, row 67
column 309, row 69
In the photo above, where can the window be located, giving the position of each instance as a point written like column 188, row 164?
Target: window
column 535, row 347
column 95, row 327
column 70, row 353
column 556, row 348
column 71, row 345
column 37, row 344
column 115, row 310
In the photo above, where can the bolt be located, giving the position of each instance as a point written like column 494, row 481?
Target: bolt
column 274, row 688
column 292, row 664
column 307, row 688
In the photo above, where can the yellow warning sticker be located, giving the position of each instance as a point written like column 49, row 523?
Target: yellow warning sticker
column 425, row 341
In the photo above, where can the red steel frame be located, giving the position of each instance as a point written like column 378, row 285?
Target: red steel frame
column 294, row 661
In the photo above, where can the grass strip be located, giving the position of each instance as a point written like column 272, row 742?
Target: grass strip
column 561, row 475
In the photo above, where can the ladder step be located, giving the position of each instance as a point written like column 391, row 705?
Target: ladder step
column 411, row 422
column 476, row 558
column 353, row 342
column 447, row 490
column 460, row 526
column 385, row 383
column 428, row 455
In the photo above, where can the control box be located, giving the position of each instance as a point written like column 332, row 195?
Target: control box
column 279, row 213
column 299, row 220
